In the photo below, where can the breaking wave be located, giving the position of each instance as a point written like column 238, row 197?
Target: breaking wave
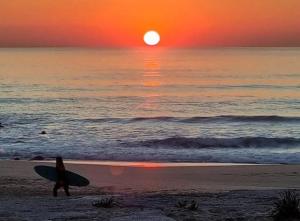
column 241, row 142
column 213, row 119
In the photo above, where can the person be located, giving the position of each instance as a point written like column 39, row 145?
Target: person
column 61, row 177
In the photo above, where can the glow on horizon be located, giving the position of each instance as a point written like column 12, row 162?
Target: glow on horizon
column 121, row 23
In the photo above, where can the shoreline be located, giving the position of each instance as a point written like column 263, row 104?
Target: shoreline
column 146, row 163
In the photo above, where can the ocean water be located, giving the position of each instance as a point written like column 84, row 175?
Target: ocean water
column 233, row 105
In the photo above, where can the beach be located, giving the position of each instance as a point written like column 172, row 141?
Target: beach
column 146, row 191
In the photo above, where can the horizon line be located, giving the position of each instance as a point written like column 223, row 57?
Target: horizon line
column 141, row 47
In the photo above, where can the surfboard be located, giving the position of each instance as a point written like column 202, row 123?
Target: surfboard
column 49, row 173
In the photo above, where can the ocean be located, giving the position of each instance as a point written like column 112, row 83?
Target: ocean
column 227, row 105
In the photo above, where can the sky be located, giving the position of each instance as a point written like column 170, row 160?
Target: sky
column 122, row 23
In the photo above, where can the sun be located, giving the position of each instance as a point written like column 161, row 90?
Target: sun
column 151, row 38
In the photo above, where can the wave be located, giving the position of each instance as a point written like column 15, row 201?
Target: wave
column 23, row 100
column 212, row 119
column 240, row 142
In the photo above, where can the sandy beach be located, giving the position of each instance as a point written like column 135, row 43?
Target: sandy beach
column 146, row 191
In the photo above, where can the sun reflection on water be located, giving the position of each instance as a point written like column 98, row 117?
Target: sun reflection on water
column 151, row 81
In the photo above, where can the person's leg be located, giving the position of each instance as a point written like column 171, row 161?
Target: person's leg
column 66, row 188
column 56, row 187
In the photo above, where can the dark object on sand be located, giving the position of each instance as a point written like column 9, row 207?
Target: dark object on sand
column 50, row 173
column 193, row 205
column 105, row 203
column 16, row 158
column 37, row 158
column 287, row 207
column 181, row 204
column 43, row 132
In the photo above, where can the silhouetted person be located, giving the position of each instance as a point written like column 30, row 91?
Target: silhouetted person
column 61, row 177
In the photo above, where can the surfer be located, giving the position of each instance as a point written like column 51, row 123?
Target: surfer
column 61, row 177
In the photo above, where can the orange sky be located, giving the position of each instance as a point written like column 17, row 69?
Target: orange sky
column 121, row 23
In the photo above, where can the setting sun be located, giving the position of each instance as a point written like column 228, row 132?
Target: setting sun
column 151, row 38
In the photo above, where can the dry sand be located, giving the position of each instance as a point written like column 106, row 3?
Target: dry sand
column 147, row 191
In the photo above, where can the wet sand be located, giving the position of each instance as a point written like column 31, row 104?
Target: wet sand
column 147, row 191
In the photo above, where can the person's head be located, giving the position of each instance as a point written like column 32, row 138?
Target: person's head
column 59, row 161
